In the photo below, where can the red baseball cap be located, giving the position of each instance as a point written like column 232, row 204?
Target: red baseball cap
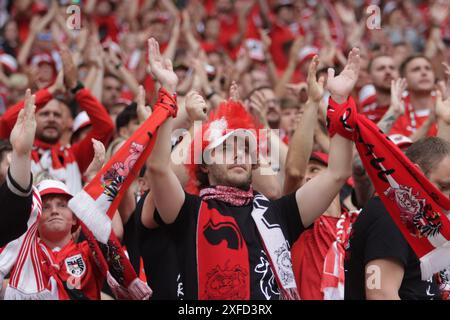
column 319, row 156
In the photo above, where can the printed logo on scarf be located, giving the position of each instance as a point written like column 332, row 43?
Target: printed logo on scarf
column 226, row 283
column 75, row 265
column 417, row 216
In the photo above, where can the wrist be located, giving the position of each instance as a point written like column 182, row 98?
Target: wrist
column 310, row 103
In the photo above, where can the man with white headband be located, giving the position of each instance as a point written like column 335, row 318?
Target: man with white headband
column 233, row 243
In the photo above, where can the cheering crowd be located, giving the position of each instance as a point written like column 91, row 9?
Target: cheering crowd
column 229, row 149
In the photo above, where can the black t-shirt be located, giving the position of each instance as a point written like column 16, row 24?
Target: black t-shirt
column 263, row 286
column 158, row 252
column 16, row 207
column 130, row 236
column 375, row 236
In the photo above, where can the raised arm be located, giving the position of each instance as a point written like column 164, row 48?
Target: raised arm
column 301, row 145
column 443, row 116
column 329, row 183
column 22, row 138
column 15, row 193
column 102, row 125
column 167, row 191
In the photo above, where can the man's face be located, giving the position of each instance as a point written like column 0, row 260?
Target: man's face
column 49, row 122
column 224, row 6
column 45, row 74
column 313, row 169
column 212, row 28
column 57, row 219
column 440, row 176
column 232, row 165
column 286, row 14
column 419, row 75
column 289, row 119
column 4, row 164
column 259, row 78
column 159, row 31
column 111, row 91
column 382, row 71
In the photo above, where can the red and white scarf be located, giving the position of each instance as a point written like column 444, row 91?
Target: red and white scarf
column 59, row 161
column 96, row 204
column 22, row 259
column 222, row 259
column 333, row 277
column 417, row 207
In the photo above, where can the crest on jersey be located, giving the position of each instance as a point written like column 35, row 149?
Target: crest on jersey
column 75, row 265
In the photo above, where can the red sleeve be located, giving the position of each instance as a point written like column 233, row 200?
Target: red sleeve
column 102, row 128
column 9, row 118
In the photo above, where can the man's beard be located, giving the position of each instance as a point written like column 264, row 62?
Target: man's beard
column 49, row 140
column 223, row 180
column 383, row 90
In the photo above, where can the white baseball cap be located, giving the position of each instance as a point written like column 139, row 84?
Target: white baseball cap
column 48, row 186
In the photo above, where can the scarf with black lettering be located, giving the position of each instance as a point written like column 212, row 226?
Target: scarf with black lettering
column 96, row 204
column 417, row 207
column 222, row 254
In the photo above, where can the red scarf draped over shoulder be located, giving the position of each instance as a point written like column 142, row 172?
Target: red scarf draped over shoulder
column 417, row 207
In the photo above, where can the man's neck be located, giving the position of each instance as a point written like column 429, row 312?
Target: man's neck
column 383, row 97
column 421, row 100
column 57, row 243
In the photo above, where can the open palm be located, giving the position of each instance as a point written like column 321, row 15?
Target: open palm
column 442, row 108
column 160, row 67
column 340, row 86
column 22, row 135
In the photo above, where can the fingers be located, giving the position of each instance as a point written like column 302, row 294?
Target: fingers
column 141, row 96
column 438, row 97
column 143, row 112
column 330, row 74
column 234, row 91
column 29, row 107
column 153, row 51
column 312, row 70
column 258, row 98
column 168, row 64
column 354, row 59
column 99, row 150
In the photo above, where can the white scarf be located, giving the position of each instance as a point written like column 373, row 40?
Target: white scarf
column 276, row 248
column 21, row 258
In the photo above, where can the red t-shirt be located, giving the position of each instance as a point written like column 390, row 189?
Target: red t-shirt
column 77, row 271
column 308, row 256
column 405, row 124
column 372, row 110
